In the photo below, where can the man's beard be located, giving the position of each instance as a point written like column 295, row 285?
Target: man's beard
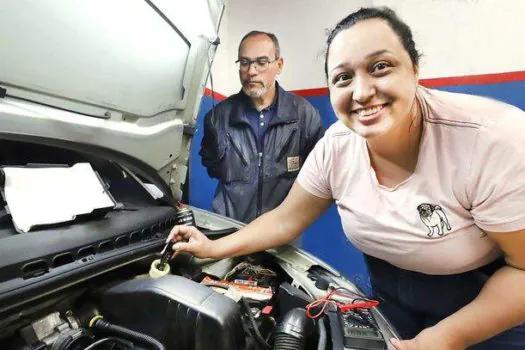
column 255, row 93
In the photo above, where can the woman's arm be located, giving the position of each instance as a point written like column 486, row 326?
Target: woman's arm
column 499, row 306
column 276, row 227
column 501, row 303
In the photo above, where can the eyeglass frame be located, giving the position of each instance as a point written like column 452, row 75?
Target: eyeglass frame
column 249, row 63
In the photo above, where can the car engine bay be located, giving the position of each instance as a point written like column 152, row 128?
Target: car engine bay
column 245, row 303
column 86, row 284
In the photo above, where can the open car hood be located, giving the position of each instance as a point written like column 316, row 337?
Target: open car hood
column 123, row 77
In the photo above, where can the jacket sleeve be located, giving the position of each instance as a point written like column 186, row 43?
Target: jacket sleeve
column 314, row 131
column 210, row 151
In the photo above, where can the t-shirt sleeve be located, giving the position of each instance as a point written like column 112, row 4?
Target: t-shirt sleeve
column 497, row 176
column 314, row 172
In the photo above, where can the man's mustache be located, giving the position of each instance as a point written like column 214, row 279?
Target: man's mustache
column 253, row 82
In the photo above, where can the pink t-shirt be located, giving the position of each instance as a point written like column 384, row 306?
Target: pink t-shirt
column 470, row 177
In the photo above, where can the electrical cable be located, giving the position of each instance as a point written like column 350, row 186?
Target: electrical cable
column 211, row 285
column 123, row 342
column 98, row 323
column 323, row 303
column 211, row 85
column 258, row 337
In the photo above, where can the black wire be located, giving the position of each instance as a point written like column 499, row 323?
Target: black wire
column 216, row 286
column 364, row 317
column 359, row 297
column 367, row 315
column 258, row 337
column 356, row 297
column 212, row 89
column 100, row 324
column 169, row 22
column 358, row 317
column 126, row 343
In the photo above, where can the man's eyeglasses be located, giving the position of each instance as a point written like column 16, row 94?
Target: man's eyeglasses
column 261, row 63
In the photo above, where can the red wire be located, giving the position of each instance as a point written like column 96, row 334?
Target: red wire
column 363, row 305
column 327, row 300
column 324, row 302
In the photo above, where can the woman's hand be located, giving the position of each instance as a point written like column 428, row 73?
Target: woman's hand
column 272, row 229
column 429, row 338
column 189, row 239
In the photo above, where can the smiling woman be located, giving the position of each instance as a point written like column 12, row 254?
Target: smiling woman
column 373, row 90
column 428, row 185
column 414, row 142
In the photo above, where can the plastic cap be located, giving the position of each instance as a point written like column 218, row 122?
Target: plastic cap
column 154, row 271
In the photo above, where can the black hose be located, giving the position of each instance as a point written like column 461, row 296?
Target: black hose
column 126, row 343
column 321, row 345
column 285, row 341
column 127, row 333
column 292, row 331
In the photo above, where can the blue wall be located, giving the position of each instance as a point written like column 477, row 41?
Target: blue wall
column 325, row 237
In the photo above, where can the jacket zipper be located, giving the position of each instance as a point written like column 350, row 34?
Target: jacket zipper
column 259, row 184
column 260, row 173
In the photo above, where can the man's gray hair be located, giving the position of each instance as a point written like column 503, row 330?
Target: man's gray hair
column 270, row 35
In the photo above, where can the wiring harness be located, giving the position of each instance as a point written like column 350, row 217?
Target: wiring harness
column 337, row 298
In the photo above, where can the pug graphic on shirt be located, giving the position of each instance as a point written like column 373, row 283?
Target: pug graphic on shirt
column 434, row 219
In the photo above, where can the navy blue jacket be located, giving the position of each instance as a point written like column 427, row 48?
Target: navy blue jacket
column 252, row 182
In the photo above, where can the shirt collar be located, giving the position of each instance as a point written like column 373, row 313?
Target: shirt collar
column 248, row 104
column 284, row 108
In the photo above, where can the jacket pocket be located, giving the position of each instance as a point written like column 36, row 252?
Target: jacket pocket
column 234, row 165
column 237, row 150
column 286, row 146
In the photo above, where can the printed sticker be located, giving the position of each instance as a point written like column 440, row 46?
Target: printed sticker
column 293, row 163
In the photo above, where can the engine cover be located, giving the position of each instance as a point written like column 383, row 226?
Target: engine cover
column 178, row 312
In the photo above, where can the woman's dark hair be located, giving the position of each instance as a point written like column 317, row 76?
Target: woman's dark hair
column 398, row 26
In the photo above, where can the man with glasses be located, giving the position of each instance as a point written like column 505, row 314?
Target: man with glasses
column 256, row 141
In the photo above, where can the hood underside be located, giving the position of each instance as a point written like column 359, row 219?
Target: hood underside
column 121, row 76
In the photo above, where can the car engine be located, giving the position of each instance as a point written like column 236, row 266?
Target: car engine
column 87, row 284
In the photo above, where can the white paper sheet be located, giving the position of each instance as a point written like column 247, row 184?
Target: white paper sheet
column 49, row 195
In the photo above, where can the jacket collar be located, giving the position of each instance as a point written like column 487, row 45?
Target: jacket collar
column 285, row 110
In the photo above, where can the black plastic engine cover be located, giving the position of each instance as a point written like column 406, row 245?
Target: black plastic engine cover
column 178, row 312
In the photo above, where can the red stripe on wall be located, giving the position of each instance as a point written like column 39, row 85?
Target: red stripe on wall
column 447, row 81
column 431, row 83
column 312, row 92
column 216, row 95
column 475, row 79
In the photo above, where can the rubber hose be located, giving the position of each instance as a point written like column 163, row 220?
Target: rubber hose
column 128, row 333
column 285, row 341
column 321, row 345
column 292, row 331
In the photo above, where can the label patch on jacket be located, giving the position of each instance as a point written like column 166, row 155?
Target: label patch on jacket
column 293, row 163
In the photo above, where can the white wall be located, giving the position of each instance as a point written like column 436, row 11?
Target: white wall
column 465, row 37
column 300, row 26
column 457, row 37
